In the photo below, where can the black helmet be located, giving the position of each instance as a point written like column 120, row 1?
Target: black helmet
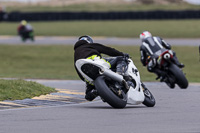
column 86, row 38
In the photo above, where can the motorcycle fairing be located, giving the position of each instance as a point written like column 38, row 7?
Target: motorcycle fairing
column 135, row 94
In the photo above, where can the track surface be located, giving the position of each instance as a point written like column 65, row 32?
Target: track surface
column 176, row 111
column 104, row 40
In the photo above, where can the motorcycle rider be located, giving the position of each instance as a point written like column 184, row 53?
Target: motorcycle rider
column 85, row 48
column 150, row 45
column 25, row 30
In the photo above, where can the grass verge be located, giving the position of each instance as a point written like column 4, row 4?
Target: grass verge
column 129, row 28
column 20, row 89
column 56, row 61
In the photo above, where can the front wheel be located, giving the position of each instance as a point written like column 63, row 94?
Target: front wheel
column 149, row 99
column 108, row 93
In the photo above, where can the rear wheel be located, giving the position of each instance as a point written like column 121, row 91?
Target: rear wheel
column 107, row 91
column 180, row 77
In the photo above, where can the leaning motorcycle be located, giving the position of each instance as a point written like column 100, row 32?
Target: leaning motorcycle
column 115, row 89
column 27, row 35
column 174, row 74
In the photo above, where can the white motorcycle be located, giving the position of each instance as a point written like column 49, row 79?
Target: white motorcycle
column 115, row 89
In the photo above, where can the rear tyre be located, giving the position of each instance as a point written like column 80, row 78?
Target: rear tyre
column 180, row 77
column 114, row 100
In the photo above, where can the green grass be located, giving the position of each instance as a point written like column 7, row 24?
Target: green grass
column 166, row 29
column 37, row 61
column 20, row 89
column 102, row 7
column 56, row 61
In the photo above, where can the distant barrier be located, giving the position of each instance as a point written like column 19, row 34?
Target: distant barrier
column 2, row 14
column 129, row 15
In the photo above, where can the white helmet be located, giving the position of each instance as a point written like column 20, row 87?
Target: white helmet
column 145, row 34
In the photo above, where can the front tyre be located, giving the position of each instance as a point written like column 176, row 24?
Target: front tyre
column 149, row 99
column 114, row 100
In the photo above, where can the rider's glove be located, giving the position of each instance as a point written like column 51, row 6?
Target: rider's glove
column 126, row 57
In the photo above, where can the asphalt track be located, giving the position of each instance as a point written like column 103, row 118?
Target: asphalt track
column 176, row 111
column 48, row 40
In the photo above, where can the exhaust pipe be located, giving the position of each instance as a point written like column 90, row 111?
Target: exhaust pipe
column 112, row 75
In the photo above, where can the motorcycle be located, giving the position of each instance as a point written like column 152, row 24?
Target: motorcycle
column 115, row 89
column 174, row 74
column 27, row 35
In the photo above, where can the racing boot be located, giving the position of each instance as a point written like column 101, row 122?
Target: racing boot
column 175, row 60
column 91, row 95
column 91, row 92
column 161, row 74
column 181, row 65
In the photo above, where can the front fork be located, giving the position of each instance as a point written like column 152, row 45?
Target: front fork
column 143, row 86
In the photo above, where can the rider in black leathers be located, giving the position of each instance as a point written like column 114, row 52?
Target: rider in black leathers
column 85, row 48
column 150, row 45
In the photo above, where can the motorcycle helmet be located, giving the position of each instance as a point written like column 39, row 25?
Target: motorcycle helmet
column 23, row 22
column 86, row 38
column 145, row 34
